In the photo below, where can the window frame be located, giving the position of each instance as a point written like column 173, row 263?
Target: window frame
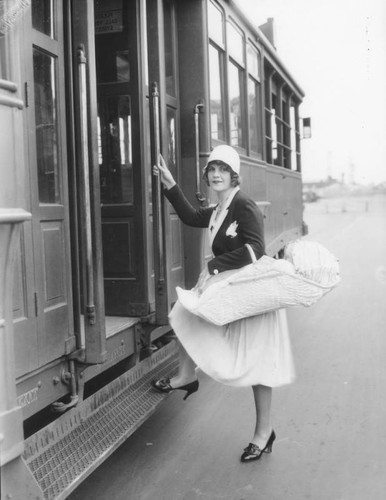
column 220, row 47
column 256, row 81
column 240, row 65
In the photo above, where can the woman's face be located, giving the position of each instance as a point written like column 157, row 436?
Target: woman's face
column 219, row 177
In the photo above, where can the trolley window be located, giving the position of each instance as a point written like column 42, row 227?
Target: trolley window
column 236, row 85
column 170, row 72
column 115, row 149
column 43, row 16
column 254, row 98
column 46, row 127
column 216, row 93
column 285, row 131
column 295, row 137
column 216, row 24
column 282, row 124
column 236, row 105
column 235, row 44
column 216, row 27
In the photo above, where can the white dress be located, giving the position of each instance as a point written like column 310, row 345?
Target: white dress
column 247, row 352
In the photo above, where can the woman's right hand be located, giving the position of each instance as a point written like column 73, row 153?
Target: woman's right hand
column 202, row 280
column 166, row 176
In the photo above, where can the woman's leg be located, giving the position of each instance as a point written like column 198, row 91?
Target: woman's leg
column 186, row 369
column 263, row 397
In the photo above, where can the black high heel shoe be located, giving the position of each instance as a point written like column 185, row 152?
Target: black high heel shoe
column 163, row 385
column 253, row 452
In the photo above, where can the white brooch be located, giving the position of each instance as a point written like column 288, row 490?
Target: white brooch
column 232, row 229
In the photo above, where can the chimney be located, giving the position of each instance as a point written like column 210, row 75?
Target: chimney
column 268, row 30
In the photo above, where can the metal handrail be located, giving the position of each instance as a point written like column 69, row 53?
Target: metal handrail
column 90, row 299
column 157, row 194
column 196, row 112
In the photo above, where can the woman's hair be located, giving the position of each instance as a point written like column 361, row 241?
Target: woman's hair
column 235, row 178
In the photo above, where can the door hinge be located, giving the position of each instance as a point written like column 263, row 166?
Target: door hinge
column 36, row 299
column 26, row 94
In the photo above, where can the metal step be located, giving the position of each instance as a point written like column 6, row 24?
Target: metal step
column 64, row 453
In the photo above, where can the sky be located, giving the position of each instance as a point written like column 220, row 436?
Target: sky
column 336, row 51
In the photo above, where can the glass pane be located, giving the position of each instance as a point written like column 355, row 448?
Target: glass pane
column 235, row 44
column 123, row 66
column 148, row 149
column 113, row 57
column 46, row 127
column 43, row 16
column 285, row 111
column 169, row 50
column 216, row 24
column 236, row 102
column 115, row 149
column 294, row 165
column 108, row 16
column 112, row 66
column 216, row 97
column 253, row 59
column 274, row 134
column 145, row 45
column 253, row 103
column 172, row 158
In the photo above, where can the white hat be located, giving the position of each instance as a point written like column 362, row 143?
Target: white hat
column 227, row 155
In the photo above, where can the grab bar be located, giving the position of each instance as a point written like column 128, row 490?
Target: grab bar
column 196, row 111
column 85, row 177
column 157, row 194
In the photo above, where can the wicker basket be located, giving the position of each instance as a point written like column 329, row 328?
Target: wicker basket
column 265, row 285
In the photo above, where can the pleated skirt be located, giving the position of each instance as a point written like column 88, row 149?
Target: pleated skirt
column 247, row 352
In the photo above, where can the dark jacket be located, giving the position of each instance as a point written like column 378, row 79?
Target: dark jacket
column 244, row 223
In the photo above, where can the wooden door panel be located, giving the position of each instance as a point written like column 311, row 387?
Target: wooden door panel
column 119, row 249
column 42, row 297
column 24, row 313
column 20, row 292
column 174, row 244
column 177, row 253
column 55, row 324
column 54, row 265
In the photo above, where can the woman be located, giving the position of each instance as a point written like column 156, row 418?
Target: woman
column 253, row 351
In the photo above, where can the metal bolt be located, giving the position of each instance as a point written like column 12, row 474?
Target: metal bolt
column 56, row 380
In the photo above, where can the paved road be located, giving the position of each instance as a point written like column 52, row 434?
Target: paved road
column 331, row 423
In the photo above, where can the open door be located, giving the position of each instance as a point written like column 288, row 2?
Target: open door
column 125, row 99
column 120, row 157
column 43, row 288
column 163, row 76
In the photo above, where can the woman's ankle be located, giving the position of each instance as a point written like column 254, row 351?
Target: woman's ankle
column 181, row 380
column 261, row 437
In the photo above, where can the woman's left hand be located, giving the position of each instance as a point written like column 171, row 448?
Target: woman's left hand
column 162, row 170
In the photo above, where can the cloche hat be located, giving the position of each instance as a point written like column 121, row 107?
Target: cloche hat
column 227, row 155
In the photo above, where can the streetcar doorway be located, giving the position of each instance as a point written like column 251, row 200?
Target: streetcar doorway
column 133, row 221
column 121, row 160
column 87, row 261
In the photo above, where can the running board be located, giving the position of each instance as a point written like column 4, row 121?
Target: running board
column 64, row 453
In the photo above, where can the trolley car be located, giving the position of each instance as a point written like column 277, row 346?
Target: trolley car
column 91, row 91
